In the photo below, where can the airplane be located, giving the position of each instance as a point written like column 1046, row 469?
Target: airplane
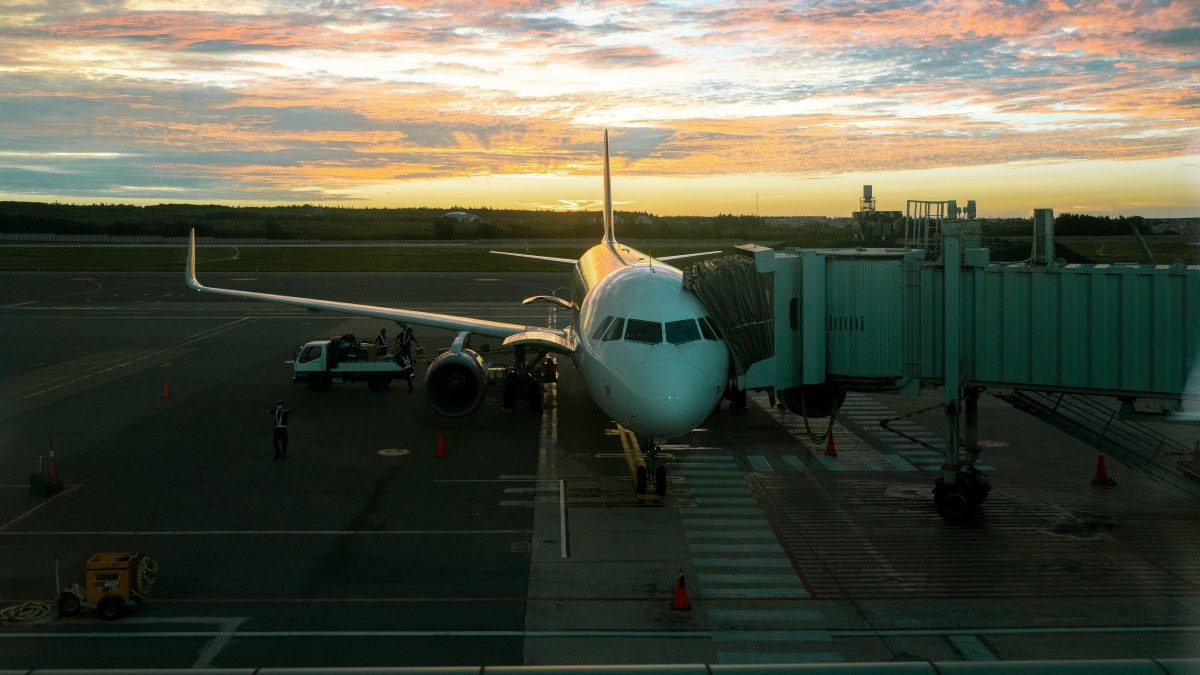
column 649, row 354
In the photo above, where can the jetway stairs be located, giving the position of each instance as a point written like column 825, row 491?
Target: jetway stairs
column 813, row 324
column 1095, row 421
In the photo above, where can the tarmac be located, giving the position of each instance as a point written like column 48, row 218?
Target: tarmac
column 526, row 544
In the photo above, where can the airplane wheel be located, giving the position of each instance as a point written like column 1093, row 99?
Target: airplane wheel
column 660, row 481
column 641, row 480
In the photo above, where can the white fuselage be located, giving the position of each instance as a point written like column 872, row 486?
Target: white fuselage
column 645, row 349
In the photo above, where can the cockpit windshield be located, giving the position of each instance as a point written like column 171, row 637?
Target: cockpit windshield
column 649, row 332
column 682, row 331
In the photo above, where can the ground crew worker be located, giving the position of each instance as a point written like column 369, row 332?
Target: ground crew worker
column 280, row 440
column 404, row 342
column 381, row 343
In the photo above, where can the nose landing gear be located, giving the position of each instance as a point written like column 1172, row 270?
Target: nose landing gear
column 652, row 475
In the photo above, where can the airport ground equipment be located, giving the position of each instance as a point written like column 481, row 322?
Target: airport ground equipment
column 114, row 583
column 813, row 324
column 322, row 363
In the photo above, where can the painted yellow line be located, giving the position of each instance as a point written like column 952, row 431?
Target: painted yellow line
column 633, row 454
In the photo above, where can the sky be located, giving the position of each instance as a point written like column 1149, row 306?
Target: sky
column 713, row 106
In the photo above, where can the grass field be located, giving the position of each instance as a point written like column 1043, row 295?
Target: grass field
column 427, row 259
column 287, row 259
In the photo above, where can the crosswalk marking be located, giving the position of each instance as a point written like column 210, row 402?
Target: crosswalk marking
column 772, row 615
column 759, row 462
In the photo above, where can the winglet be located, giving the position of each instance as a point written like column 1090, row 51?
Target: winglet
column 189, row 267
column 609, row 236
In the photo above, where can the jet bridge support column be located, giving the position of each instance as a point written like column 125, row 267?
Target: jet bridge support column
column 959, row 491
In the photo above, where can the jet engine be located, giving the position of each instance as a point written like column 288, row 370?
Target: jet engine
column 455, row 383
column 812, row 400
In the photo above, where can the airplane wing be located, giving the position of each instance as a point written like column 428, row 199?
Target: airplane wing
column 686, row 255
column 456, row 323
column 565, row 261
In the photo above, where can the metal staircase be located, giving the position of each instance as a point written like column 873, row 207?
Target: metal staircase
column 1096, row 421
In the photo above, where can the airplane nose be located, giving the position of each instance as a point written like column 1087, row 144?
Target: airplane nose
column 677, row 397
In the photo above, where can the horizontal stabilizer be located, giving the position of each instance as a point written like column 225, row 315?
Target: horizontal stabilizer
column 686, row 255
column 547, row 258
column 542, row 340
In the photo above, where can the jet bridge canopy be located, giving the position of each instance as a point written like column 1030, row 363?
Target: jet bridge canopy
column 880, row 319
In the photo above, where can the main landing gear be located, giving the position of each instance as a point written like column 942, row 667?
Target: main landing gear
column 652, row 474
column 526, row 378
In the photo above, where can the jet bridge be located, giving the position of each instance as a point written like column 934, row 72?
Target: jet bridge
column 812, row 324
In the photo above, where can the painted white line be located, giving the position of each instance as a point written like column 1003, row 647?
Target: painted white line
column 725, row 522
column 726, row 615
column 742, row 562
column 752, row 593
column 971, row 648
column 714, row 579
column 239, row 533
column 730, row 534
column 772, row 615
column 772, row 636
column 66, row 491
column 18, row 304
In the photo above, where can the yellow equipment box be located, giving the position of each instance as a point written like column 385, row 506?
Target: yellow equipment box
column 110, row 574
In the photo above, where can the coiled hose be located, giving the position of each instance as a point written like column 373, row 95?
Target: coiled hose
column 147, row 572
column 25, row 611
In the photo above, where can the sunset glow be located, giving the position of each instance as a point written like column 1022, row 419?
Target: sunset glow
column 1074, row 106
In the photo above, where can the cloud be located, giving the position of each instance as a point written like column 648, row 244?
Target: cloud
column 276, row 98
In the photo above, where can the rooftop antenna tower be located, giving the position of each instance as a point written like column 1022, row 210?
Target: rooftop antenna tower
column 867, row 203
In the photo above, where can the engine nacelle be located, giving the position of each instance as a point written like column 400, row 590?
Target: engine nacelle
column 812, row 400
column 455, row 383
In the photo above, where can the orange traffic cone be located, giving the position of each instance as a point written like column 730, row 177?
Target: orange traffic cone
column 166, row 392
column 1102, row 479
column 830, row 447
column 680, row 601
column 441, row 445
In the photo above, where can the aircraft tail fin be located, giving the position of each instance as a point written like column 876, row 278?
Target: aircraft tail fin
column 610, row 236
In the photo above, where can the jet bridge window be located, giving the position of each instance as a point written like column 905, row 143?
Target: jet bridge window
column 603, row 327
column 615, row 330
column 682, row 331
column 709, row 330
column 649, row 332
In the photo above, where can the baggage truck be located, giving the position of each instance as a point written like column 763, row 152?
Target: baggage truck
column 323, row 363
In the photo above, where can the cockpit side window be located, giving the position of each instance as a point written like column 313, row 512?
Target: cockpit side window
column 615, row 330
column 603, row 326
column 709, row 329
column 649, row 332
column 682, row 331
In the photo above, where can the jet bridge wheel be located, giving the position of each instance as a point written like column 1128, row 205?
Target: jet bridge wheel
column 959, row 502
